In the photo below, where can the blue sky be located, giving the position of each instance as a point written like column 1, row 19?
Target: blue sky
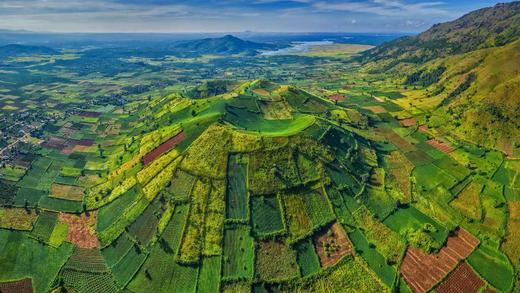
column 231, row 15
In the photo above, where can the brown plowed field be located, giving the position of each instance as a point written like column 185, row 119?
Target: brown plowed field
column 440, row 145
column 421, row 271
column 376, row 109
column 336, row 98
column 408, row 122
column 163, row 148
column 423, row 128
column 395, row 139
column 337, row 239
column 22, row 286
column 81, row 229
column 461, row 280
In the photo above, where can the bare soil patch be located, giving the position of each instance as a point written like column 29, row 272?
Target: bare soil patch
column 332, row 244
column 81, row 229
column 408, row 122
column 336, row 98
column 440, row 145
column 423, row 128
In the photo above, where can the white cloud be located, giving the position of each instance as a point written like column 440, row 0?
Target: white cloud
column 385, row 7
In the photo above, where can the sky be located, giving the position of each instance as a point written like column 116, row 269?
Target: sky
column 178, row 16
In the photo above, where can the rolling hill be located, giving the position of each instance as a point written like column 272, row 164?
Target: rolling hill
column 226, row 45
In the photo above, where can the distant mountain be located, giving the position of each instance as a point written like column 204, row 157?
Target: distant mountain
column 484, row 28
column 24, row 50
column 226, row 45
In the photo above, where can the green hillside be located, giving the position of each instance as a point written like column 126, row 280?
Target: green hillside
column 465, row 73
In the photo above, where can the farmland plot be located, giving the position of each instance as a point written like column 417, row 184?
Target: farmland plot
column 493, row 266
column 209, row 275
column 375, row 260
column 182, row 184
column 44, row 226
column 22, row 256
column 237, row 195
column 421, row 271
column 239, row 251
column 307, row 259
column 68, row 192
column 161, row 264
column 17, row 218
column 332, row 244
column 275, row 261
column 462, row 279
column 267, row 217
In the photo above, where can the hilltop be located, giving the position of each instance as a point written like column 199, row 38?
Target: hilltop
column 226, row 45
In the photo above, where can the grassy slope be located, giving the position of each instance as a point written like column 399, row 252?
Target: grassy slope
column 487, row 113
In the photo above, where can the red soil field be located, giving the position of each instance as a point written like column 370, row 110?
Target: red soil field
column 336, row 237
column 408, row 122
column 89, row 114
column 337, row 98
column 163, row 148
column 423, row 128
column 462, row 280
column 440, row 145
column 81, row 229
column 422, row 271
column 21, row 286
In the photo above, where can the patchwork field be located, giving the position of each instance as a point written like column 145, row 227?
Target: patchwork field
column 462, row 279
column 131, row 170
column 422, row 271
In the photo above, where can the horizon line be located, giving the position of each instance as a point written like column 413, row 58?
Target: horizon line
column 202, row 32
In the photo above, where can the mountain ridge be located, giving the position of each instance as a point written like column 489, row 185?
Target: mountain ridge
column 483, row 28
column 226, row 45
